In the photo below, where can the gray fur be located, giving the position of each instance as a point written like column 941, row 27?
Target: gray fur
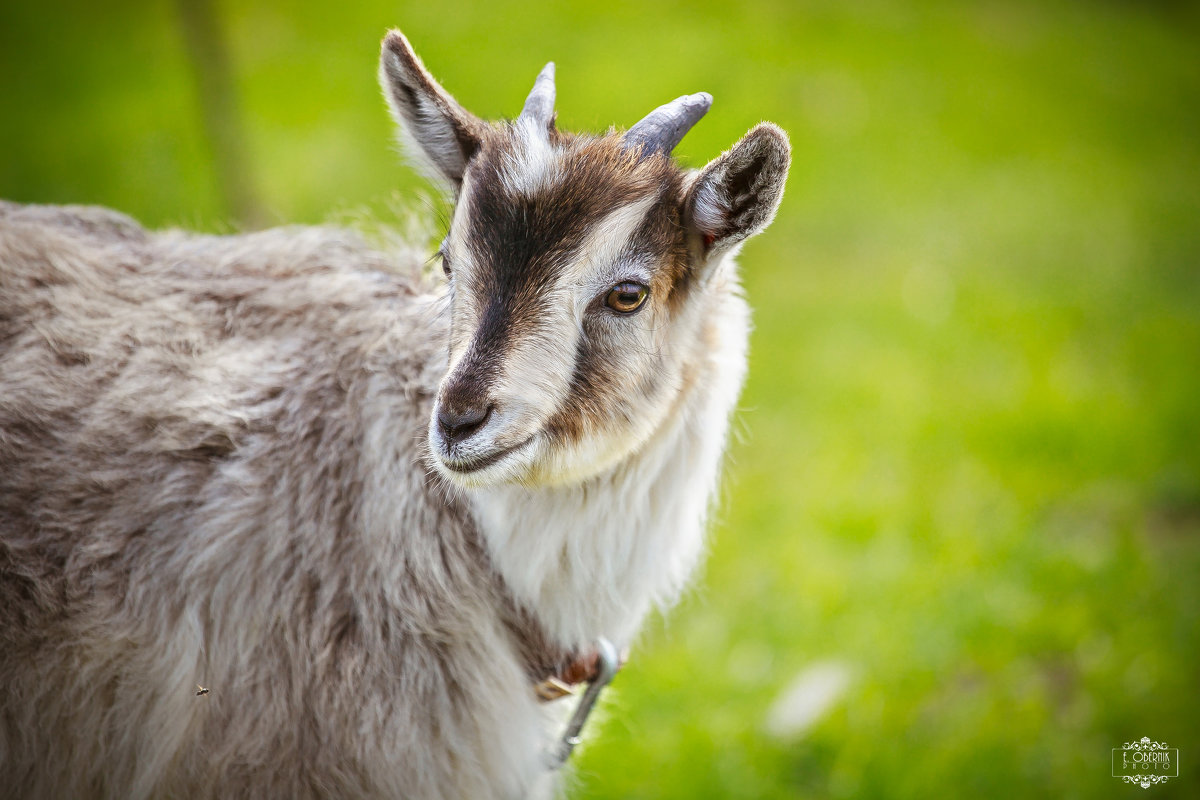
column 210, row 465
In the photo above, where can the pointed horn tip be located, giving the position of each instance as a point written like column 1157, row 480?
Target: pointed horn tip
column 539, row 105
column 544, row 81
column 664, row 127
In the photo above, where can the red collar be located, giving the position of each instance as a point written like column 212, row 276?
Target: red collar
column 581, row 668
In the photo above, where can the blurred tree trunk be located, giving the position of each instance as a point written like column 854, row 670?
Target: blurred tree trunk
column 218, row 109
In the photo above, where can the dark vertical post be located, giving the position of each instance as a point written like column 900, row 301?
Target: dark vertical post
column 218, row 109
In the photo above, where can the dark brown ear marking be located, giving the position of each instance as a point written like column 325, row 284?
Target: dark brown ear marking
column 445, row 134
column 736, row 195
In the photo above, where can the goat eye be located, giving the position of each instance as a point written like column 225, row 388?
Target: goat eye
column 446, row 264
column 626, row 298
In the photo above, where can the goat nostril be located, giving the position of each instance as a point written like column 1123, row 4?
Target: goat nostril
column 460, row 424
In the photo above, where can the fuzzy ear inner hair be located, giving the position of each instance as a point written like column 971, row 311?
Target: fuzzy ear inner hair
column 736, row 195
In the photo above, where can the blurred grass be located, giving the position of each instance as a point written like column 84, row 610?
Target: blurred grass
column 969, row 462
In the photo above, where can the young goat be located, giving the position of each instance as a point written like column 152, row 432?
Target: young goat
column 244, row 463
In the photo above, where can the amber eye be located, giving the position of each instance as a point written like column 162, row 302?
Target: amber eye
column 626, row 298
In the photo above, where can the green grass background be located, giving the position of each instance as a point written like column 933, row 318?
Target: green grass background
column 968, row 462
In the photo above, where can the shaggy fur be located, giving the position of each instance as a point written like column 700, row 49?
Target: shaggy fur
column 221, row 464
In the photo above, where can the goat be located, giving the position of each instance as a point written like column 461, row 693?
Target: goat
column 283, row 516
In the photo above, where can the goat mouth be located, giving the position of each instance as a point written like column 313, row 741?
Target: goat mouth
column 467, row 466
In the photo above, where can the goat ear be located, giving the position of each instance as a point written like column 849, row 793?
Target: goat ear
column 436, row 130
column 737, row 194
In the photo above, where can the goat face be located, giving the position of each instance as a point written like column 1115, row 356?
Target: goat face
column 581, row 269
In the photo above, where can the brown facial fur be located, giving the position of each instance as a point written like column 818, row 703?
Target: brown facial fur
column 530, row 240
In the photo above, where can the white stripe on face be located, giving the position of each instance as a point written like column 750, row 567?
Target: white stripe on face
column 538, row 368
column 534, row 372
column 532, row 165
column 597, row 262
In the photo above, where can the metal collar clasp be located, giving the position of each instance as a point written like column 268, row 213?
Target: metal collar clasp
column 607, row 663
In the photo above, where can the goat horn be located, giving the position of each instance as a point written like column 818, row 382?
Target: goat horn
column 539, row 106
column 665, row 126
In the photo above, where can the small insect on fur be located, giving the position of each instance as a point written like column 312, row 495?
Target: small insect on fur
column 200, row 690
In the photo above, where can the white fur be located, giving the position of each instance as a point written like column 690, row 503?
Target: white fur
column 599, row 263
column 534, row 164
column 594, row 557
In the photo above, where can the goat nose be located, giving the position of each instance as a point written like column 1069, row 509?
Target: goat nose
column 459, row 423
